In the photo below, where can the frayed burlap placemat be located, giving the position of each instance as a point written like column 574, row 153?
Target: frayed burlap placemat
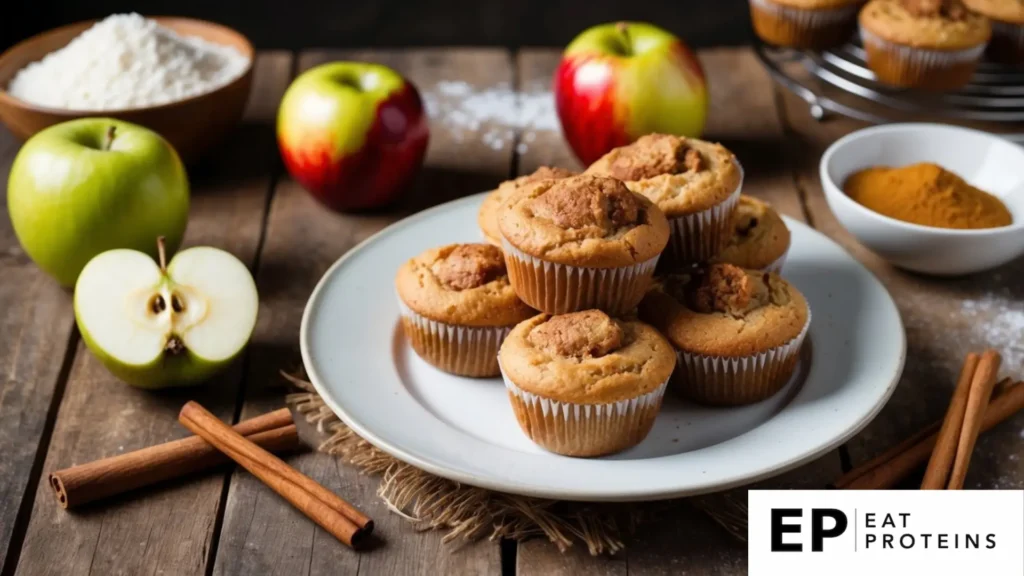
column 468, row 513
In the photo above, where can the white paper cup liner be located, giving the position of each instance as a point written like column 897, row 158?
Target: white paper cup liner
column 461, row 350
column 585, row 429
column 808, row 18
column 700, row 236
column 912, row 66
column 777, row 265
column 725, row 381
column 559, row 288
column 802, row 27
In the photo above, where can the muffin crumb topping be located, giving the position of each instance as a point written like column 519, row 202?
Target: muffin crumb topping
column 545, row 173
column 587, row 334
column 469, row 266
column 586, row 201
column 722, row 288
column 726, row 289
column 950, row 9
column 653, row 155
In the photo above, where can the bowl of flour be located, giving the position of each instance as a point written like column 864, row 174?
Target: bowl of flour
column 187, row 79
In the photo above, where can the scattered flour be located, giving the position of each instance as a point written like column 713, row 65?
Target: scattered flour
column 127, row 61
column 492, row 116
column 999, row 321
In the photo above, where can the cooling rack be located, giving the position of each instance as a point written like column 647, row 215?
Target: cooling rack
column 838, row 81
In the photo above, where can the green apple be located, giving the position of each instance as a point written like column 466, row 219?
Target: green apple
column 155, row 325
column 86, row 186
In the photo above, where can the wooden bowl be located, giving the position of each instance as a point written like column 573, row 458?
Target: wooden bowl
column 192, row 125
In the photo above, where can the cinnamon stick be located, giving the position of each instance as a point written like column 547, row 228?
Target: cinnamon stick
column 319, row 504
column 941, row 462
column 879, row 476
column 93, row 481
column 981, row 392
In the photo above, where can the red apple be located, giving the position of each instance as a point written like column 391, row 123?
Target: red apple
column 617, row 82
column 353, row 134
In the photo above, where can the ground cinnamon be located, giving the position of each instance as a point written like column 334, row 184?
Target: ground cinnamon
column 926, row 194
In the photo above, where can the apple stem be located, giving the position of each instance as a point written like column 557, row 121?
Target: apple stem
column 623, row 29
column 161, row 251
column 111, row 132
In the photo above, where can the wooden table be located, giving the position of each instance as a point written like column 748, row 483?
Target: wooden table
column 58, row 406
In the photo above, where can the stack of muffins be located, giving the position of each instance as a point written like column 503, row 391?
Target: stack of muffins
column 597, row 292
column 925, row 44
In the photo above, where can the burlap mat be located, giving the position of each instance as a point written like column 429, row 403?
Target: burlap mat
column 468, row 513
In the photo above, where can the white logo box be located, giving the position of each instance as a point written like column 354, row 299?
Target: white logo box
column 904, row 532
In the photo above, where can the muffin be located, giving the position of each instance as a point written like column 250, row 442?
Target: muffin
column 1007, row 18
column 487, row 218
column 585, row 384
column 580, row 243
column 457, row 306
column 809, row 24
column 927, row 44
column 760, row 239
column 695, row 183
column 737, row 332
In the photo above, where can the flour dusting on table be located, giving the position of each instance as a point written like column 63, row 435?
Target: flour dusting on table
column 999, row 321
column 492, row 116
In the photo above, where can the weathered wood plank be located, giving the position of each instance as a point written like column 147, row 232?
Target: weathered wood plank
column 166, row 529
column 744, row 118
column 944, row 319
column 36, row 323
column 262, row 534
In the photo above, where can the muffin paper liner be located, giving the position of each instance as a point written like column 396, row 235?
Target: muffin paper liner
column 802, row 28
column 461, row 350
column 559, row 288
column 724, row 381
column 903, row 65
column 1007, row 44
column 776, row 266
column 584, row 429
column 700, row 236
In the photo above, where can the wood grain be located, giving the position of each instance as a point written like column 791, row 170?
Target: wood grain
column 166, row 529
column 36, row 323
column 263, row 534
column 944, row 319
column 743, row 117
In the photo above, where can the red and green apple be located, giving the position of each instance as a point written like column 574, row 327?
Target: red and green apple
column 617, row 82
column 353, row 134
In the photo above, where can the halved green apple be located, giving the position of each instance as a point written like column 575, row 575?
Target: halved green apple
column 155, row 325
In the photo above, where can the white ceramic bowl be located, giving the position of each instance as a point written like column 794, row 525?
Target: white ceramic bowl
column 985, row 160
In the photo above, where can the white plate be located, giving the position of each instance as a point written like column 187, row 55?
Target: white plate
column 464, row 429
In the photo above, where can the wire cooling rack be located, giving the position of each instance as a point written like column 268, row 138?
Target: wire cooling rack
column 838, row 81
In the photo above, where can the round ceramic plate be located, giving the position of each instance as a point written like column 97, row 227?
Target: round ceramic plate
column 464, row 429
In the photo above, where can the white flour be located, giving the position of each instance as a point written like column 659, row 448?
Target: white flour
column 999, row 322
column 492, row 116
column 127, row 61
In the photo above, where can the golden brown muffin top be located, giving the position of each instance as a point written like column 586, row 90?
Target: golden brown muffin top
column 680, row 175
column 462, row 284
column 588, row 221
column 760, row 236
column 724, row 310
column 586, row 357
column 931, row 24
column 1010, row 11
column 487, row 218
column 817, row 4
